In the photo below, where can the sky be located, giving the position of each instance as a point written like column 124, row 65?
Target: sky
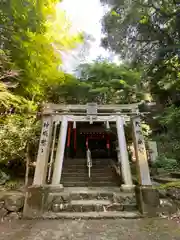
column 85, row 15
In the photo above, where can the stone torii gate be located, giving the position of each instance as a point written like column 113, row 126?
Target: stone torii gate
column 39, row 195
column 54, row 114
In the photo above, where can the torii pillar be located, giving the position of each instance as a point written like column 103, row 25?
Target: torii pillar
column 125, row 165
column 60, row 152
column 43, row 152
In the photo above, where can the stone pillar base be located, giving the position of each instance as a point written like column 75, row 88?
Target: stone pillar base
column 147, row 200
column 35, row 199
column 54, row 188
column 127, row 188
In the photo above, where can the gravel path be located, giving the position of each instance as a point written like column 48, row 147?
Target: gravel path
column 143, row 229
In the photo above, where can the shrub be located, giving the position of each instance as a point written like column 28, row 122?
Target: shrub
column 165, row 163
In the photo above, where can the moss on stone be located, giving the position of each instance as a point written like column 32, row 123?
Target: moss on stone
column 169, row 185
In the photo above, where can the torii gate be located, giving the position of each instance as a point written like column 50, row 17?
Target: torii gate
column 62, row 114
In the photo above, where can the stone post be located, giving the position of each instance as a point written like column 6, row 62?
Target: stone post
column 140, row 152
column 125, row 166
column 153, row 152
column 43, row 152
column 60, row 152
column 147, row 196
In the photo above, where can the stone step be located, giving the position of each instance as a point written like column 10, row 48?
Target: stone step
column 74, row 171
column 85, row 160
column 89, row 205
column 175, row 175
column 91, row 202
column 89, row 183
column 85, row 167
column 85, row 163
column 92, row 215
column 86, row 184
column 88, row 180
column 85, row 177
column 165, row 179
column 75, row 174
column 103, row 174
column 99, row 206
column 92, row 206
column 92, row 195
column 104, row 163
column 86, row 200
column 85, row 171
column 112, row 193
column 80, row 193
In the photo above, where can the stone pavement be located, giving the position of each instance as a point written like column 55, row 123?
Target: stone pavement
column 142, row 229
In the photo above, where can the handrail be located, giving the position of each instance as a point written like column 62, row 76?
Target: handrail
column 89, row 162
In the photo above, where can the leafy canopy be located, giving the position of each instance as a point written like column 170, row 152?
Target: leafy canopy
column 106, row 83
column 32, row 36
column 35, row 33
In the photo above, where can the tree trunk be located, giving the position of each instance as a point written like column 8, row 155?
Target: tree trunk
column 27, row 166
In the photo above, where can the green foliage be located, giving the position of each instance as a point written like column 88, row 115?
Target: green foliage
column 169, row 139
column 101, row 82
column 6, row 97
column 35, row 33
column 169, row 185
column 6, row 71
column 127, row 32
column 166, row 163
column 13, row 185
column 107, row 83
column 15, row 134
column 147, row 33
column 3, row 177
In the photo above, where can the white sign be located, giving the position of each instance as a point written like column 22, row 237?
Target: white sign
column 92, row 109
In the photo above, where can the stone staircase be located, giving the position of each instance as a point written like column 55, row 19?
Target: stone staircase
column 75, row 173
column 94, row 202
column 83, row 198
